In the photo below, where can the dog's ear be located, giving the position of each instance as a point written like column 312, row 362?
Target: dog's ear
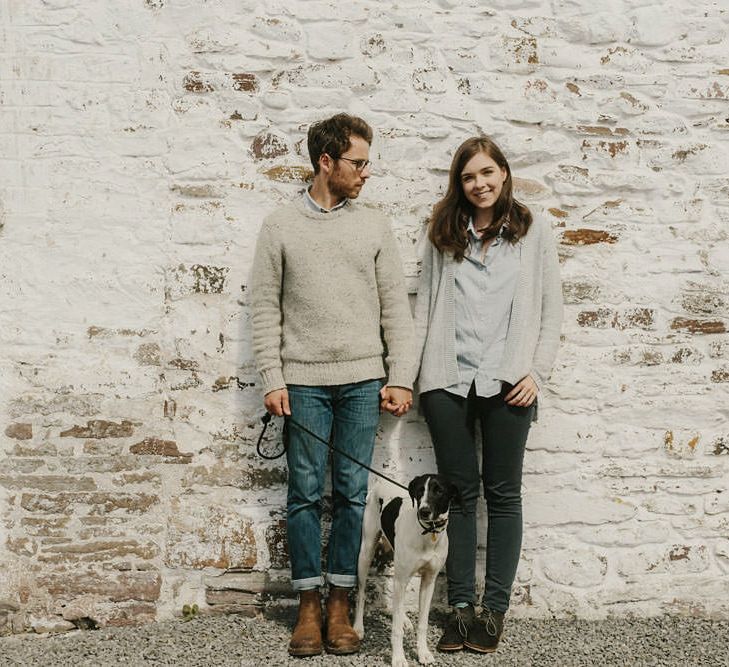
column 415, row 488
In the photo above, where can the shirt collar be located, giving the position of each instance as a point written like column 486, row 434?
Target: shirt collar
column 320, row 209
column 477, row 237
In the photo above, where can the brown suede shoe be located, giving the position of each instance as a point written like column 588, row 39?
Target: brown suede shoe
column 341, row 637
column 306, row 638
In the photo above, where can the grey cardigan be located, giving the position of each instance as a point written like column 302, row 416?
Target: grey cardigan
column 532, row 339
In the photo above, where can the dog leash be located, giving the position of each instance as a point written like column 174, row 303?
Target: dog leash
column 266, row 419
column 433, row 527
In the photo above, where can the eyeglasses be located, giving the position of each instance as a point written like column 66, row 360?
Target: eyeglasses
column 359, row 165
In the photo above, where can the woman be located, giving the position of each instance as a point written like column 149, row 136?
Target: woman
column 488, row 315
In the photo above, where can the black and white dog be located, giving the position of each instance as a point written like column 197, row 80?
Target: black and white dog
column 415, row 529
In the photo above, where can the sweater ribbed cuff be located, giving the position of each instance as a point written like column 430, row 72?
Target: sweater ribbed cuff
column 400, row 376
column 272, row 379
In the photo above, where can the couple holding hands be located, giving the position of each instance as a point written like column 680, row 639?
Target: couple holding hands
column 329, row 305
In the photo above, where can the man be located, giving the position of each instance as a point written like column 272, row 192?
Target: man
column 327, row 286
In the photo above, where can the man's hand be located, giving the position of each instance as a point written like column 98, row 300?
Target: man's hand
column 396, row 400
column 276, row 402
column 523, row 393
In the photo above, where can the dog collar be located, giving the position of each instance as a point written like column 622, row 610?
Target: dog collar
column 433, row 527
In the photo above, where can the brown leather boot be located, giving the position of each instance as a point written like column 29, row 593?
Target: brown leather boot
column 341, row 637
column 306, row 638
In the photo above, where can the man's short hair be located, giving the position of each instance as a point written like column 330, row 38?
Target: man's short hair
column 332, row 135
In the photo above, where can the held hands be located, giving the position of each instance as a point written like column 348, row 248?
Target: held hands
column 523, row 393
column 277, row 402
column 396, row 400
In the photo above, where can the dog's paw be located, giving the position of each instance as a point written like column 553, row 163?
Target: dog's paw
column 399, row 661
column 359, row 629
column 426, row 657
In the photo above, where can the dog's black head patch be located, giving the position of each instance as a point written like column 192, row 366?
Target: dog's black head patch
column 432, row 495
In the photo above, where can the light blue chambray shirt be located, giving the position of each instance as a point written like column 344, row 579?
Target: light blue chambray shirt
column 320, row 209
column 485, row 287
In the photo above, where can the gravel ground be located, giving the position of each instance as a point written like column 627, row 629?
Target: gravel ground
column 244, row 642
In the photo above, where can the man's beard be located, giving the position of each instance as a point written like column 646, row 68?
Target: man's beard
column 339, row 189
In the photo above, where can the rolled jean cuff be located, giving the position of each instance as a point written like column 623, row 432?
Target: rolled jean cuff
column 307, row 584
column 342, row 580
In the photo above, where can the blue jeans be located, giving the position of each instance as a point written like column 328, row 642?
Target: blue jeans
column 348, row 413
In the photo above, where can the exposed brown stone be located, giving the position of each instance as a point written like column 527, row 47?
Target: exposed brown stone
column 100, row 428
column 198, row 191
column 232, row 597
column 558, row 213
column 100, row 550
column 639, row 318
column 684, row 354
column 204, row 536
column 184, row 364
column 157, row 447
column 19, row 431
column 578, row 292
column 573, row 88
column 599, row 319
column 587, row 237
column 21, row 546
column 267, row 145
column 209, row 279
column 681, row 155
column 102, row 448
column 523, row 48
column 98, row 503
column 240, row 477
column 720, row 375
column 196, row 83
column 679, row 553
column 526, row 186
column 136, row 613
column 720, row 447
column 117, row 587
column 137, row 478
column 44, row 527
column 48, row 482
column 250, row 581
column 698, row 326
column 103, row 332
column 34, row 449
column 289, row 174
column 601, row 130
column 277, row 544
column 247, row 83
column 148, row 354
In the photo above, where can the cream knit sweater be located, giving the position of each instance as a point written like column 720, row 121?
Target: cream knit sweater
column 325, row 289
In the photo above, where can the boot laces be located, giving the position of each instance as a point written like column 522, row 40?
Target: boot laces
column 490, row 620
column 462, row 625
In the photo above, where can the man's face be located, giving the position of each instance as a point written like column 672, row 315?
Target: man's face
column 345, row 180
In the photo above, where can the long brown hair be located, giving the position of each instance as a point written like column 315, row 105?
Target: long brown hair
column 449, row 220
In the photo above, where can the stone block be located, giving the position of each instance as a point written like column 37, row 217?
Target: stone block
column 576, row 568
column 202, row 535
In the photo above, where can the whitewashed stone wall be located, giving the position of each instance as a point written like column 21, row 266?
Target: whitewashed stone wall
column 141, row 144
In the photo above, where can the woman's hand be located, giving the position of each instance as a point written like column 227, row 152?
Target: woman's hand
column 395, row 400
column 523, row 393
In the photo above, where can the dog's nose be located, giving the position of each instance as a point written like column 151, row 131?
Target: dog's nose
column 424, row 512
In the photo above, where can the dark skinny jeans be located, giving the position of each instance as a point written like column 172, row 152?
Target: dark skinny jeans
column 504, row 429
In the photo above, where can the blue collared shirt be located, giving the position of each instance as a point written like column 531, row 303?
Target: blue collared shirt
column 320, row 209
column 485, row 283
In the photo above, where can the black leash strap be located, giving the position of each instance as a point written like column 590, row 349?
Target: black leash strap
column 266, row 419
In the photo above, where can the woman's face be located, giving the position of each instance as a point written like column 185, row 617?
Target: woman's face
column 482, row 180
